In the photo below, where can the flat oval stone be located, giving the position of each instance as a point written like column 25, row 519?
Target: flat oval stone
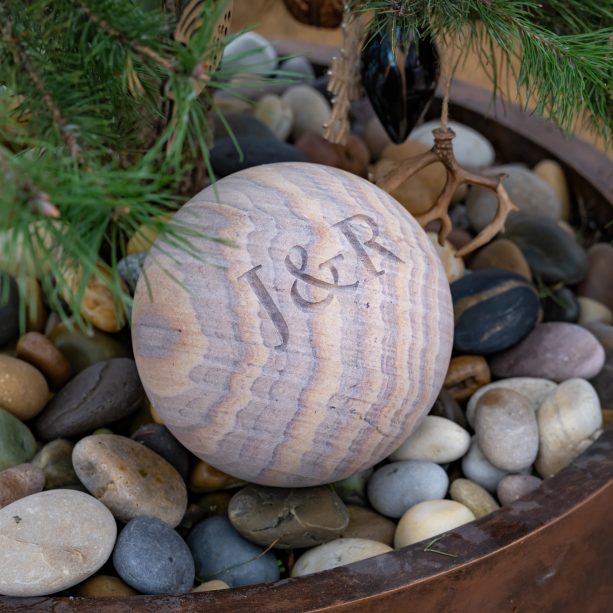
column 493, row 310
column 535, row 390
column 337, row 553
column 555, row 350
column 36, row 349
column 364, row 523
column 560, row 304
column 437, row 440
column 506, row 428
column 17, row 445
column 513, row 487
column 552, row 253
column 20, row 481
column 395, row 487
column 352, row 157
column 83, row 350
column 479, row 469
column 569, row 420
column 23, row 389
column 51, row 541
column 471, row 148
column 220, row 552
column 105, row 586
column 288, row 517
column 55, row 460
column 130, row 479
column 598, row 283
column 98, row 396
column 504, row 255
column 226, row 159
column 152, row 558
column 527, row 191
column 159, row 439
column 473, row 496
column 9, row 310
column 465, row 375
column 428, row 519
column 309, row 108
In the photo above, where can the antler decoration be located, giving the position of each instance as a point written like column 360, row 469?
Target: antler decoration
column 344, row 81
column 442, row 151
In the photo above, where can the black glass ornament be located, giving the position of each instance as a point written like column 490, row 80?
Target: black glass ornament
column 399, row 73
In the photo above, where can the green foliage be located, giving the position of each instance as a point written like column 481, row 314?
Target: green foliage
column 103, row 115
column 564, row 47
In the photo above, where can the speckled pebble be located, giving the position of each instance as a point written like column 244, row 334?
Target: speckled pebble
column 473, row 496
column 51, row 541
column 23, row 389
column 337, row 553
column 220, row 552
column 506, row 428
column 395, row 487
column 569, row 420
column 437, row 440
column 555, row 350
column 513, row 487
column 20, row 481
column 130, row 479
column 152, row 558
column 430, row 518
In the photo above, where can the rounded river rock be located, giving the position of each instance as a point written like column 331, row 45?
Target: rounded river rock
column 493, row 310
column 288, row 517
column 101, row 394
column 130, row 479
column 51, row 541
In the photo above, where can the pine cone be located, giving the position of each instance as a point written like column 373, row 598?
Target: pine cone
column 317, row 13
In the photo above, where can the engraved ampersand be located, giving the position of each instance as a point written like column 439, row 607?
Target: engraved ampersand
column 296, row 262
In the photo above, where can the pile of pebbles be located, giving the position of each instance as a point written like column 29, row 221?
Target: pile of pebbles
column 97, row 498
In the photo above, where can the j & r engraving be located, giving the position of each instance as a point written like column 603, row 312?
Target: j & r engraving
column 297, row 263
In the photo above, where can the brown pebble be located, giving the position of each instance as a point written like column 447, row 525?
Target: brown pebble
column 23, row 389
column 20, row 481
column 465, row 375
column 458, row 237
column 552, row 173
column 39, row 351
column 365, row 523
column 104, row 586
column 352, row 157
column 598, row 284
column 130, row 479
column 206, row 478
column 503, row 254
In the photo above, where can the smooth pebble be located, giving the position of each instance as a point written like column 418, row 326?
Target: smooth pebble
column 479, row 469
column 513, row 487
column 23, row 389
column 309, row 107
column 20, row 481
column 473, row 496
column 249, row 53
column 17, row 444
column 337, row 553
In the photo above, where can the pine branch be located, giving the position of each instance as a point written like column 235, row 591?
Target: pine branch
column 563, row 47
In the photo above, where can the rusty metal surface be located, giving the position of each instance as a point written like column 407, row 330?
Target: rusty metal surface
column 550, row 551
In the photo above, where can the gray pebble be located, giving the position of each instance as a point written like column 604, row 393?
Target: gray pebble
column 220, row 552
column 507, row 431
column 477, row 468
column 152, row 558
column 395, row 487
column 513, row 487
